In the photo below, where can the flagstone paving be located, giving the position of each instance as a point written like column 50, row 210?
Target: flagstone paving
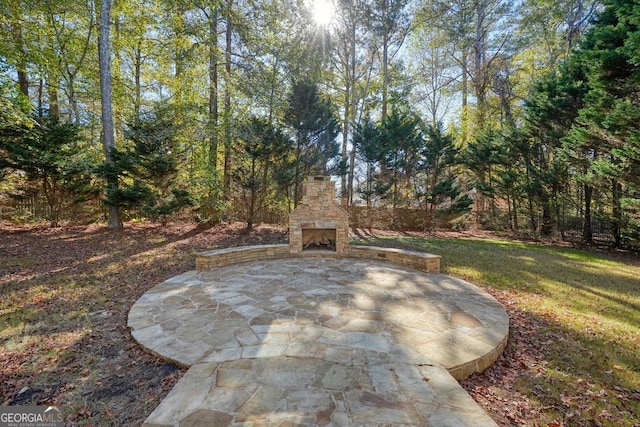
column 320, row 341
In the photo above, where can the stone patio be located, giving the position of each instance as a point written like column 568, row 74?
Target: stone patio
column 320, row 341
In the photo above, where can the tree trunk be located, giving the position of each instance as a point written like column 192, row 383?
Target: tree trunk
column 51, row 195
column 515, row 211
column 23, row 78
column 587, row 236
column 533, row 222
column 252, row 197
column 23, row 82
column 617, row 213
column 558, row 212
column 385, row 67
column 213, row 88
column 369, row 184
column 354, row 106
column 40, row 96
column 116, row 68
column 465, row 80
column 344, row 194
column 138, row 83
column 108, row 138
column 52, row 88
column 465, row 98
column 352, row 164
column 530, row 192
column 510, row 213
column 546, row 227
column 73, row 102
column 479, row 72
column 492, row 199
column 272, row 89
column 297, row 193
column 227, row 103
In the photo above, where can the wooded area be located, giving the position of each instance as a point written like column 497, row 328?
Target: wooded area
column 526, row 113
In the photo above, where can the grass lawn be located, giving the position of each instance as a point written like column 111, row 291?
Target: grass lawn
column 573, row 356
column 576, row 332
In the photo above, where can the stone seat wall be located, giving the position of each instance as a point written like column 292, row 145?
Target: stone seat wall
column 428, row 263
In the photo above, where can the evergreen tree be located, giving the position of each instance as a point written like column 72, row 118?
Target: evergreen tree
column 399, row 142
column 314, row 126
column 367, row 140
column 261, row 145
column 550, row 113
column 611, row 113
column 481, row 156
column 438, row 184
column 49, row 152
column 147, row 170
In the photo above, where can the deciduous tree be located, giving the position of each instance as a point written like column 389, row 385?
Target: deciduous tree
column 106, row 96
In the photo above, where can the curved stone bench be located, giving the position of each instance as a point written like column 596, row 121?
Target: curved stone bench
column 428, row 263
column 229, row 256
column 421, row 261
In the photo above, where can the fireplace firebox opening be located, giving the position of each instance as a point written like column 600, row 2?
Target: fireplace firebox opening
column 319, row 239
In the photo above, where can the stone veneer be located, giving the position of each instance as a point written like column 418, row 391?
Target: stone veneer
column 216, row 258
column 318, row 211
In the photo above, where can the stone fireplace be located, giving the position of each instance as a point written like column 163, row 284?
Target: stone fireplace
column 318, row 223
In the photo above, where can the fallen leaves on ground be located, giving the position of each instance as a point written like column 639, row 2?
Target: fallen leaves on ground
column 65, row 296
column 494, row 388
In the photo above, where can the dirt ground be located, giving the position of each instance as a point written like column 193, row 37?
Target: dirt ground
column 65, row 296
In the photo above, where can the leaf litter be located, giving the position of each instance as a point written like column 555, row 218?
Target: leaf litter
column 65, row 296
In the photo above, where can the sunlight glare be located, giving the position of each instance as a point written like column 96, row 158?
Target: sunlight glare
column 323, row 12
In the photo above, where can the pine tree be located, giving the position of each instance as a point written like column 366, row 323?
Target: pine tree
column 607, row 124
column 439, row 184
column 49, row 152
column 147, row 170
column 261, row 145
column 315, row 127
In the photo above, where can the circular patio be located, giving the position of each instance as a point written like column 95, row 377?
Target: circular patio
column 320, row 341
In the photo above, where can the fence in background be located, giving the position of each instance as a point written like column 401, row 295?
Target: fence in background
column 31, row 209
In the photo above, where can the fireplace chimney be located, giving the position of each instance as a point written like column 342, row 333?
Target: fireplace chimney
column 318, row 223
